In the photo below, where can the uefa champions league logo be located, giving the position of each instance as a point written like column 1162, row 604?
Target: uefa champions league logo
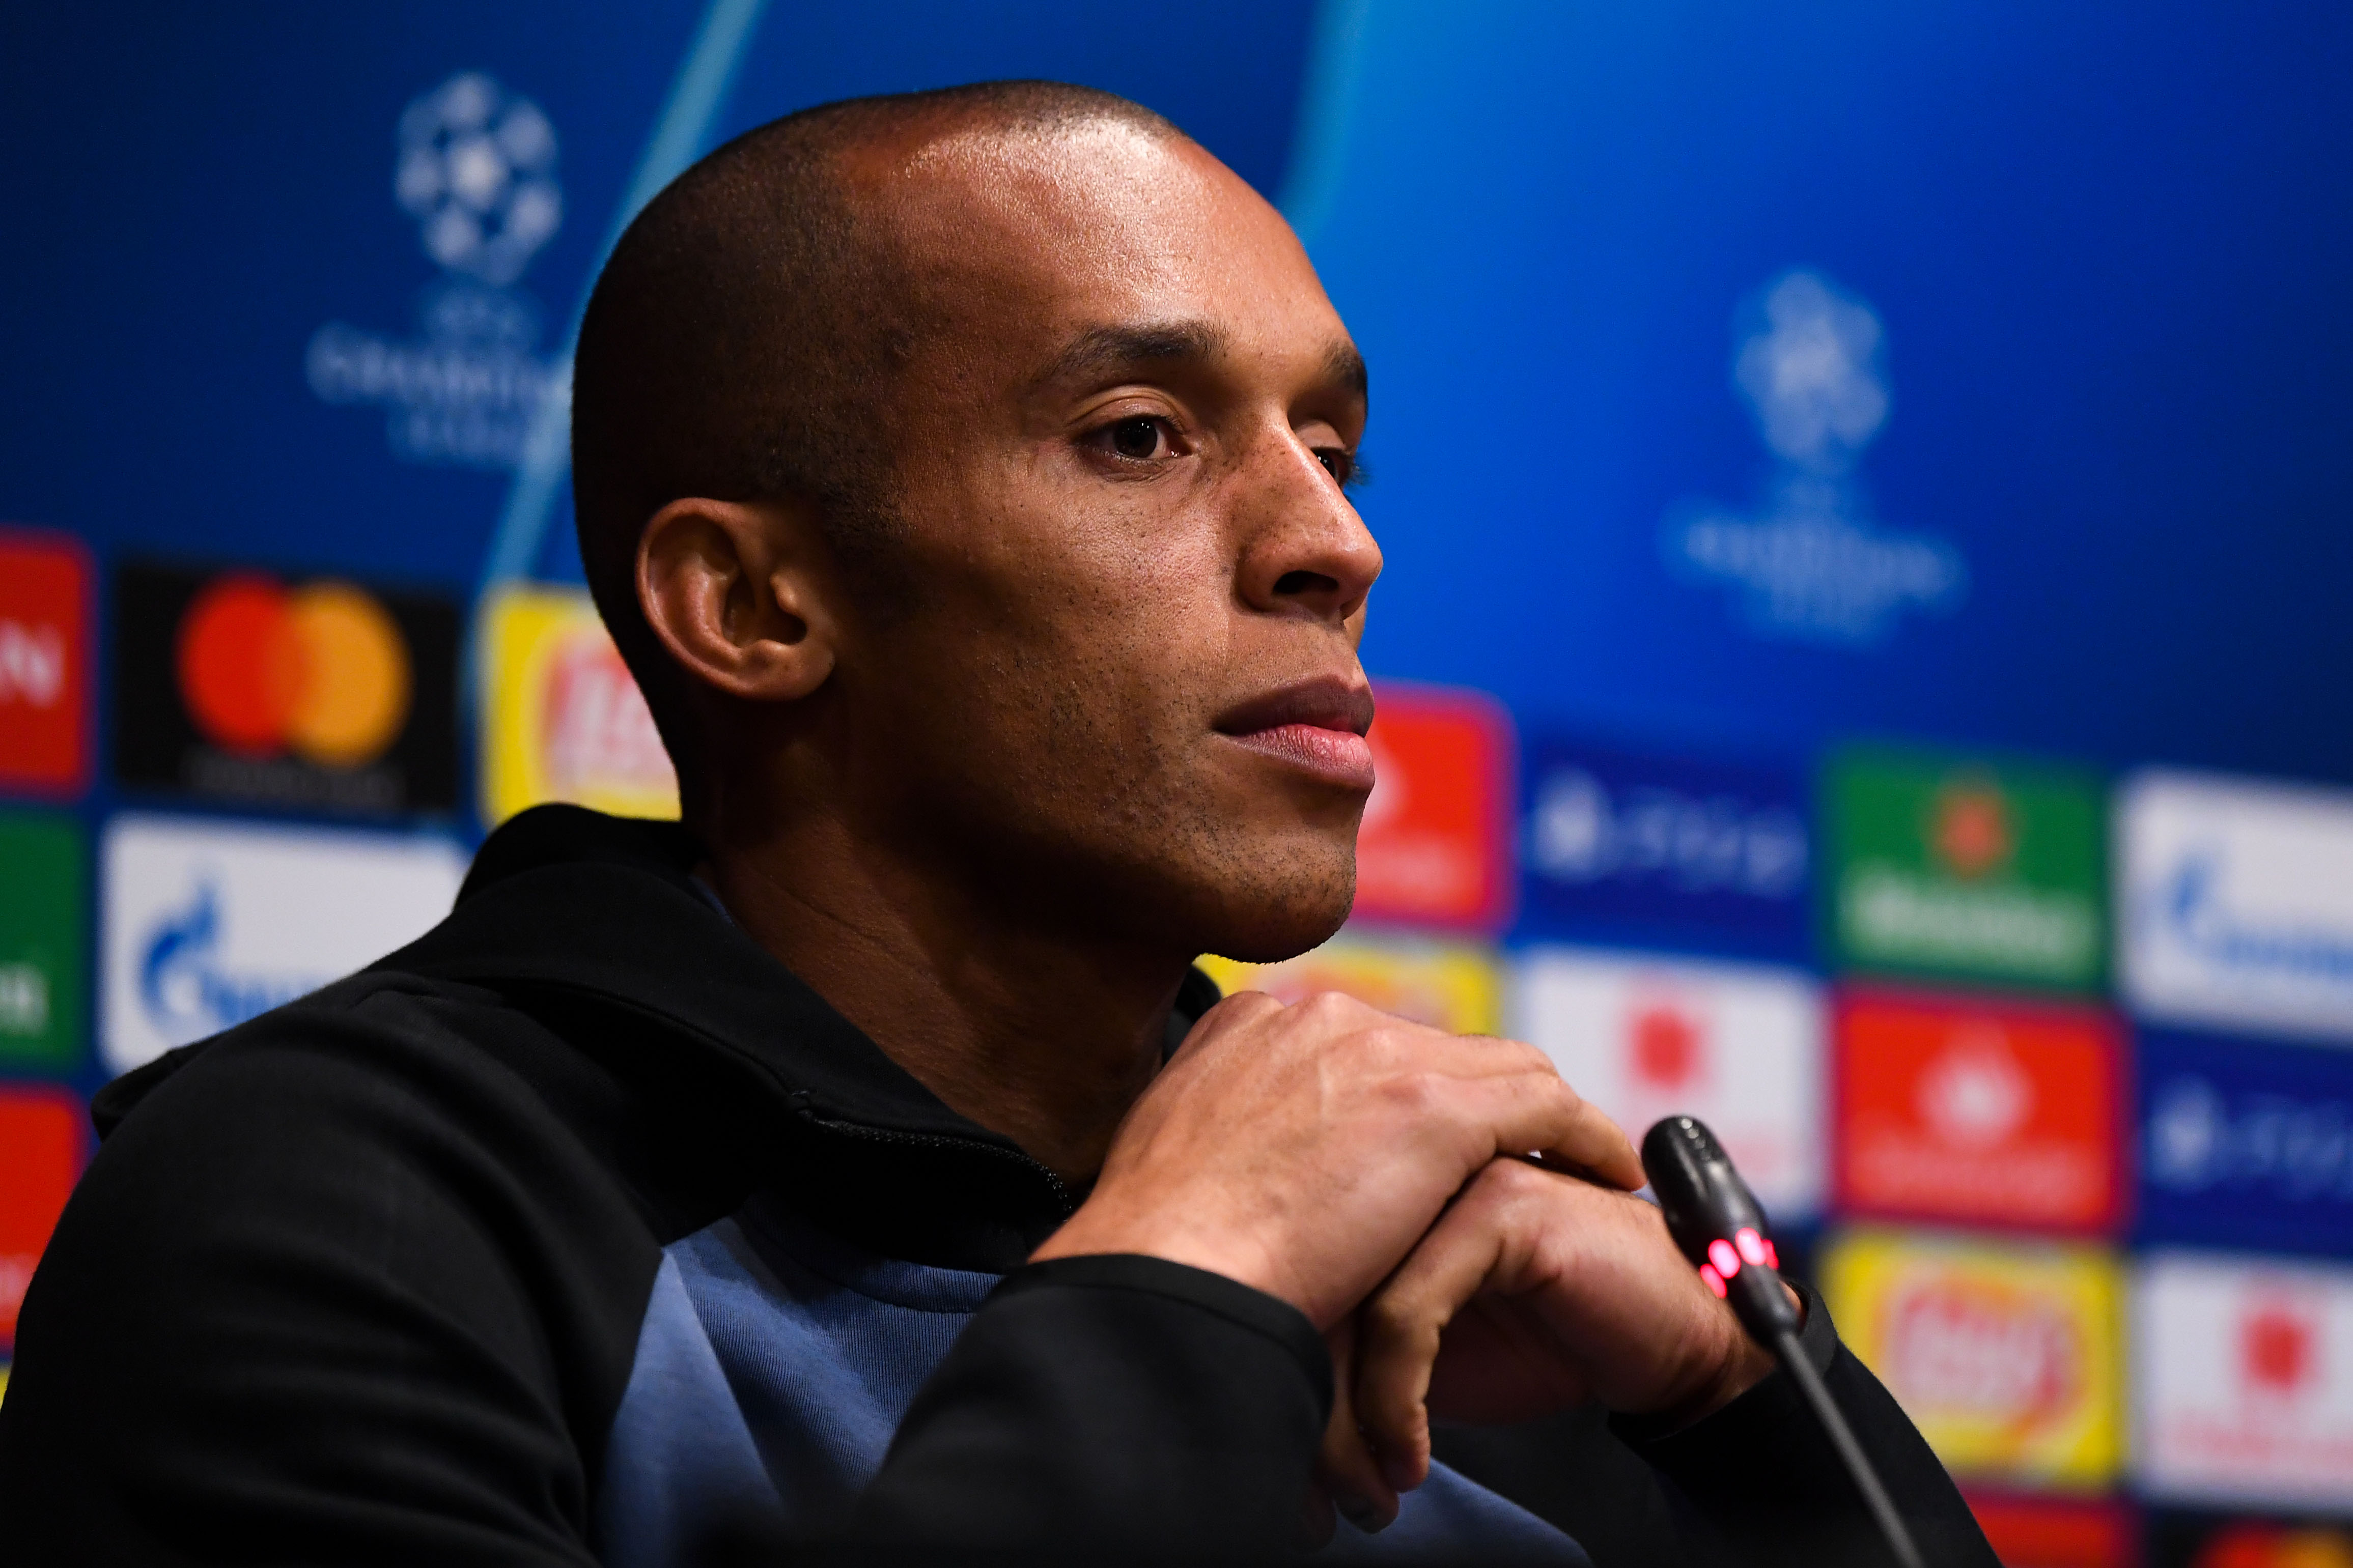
column 476, row 167
column 478, row 172
column 1809, row 564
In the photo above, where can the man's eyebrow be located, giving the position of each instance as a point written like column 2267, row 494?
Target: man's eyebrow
column 1345, row 365
column 1099, row 349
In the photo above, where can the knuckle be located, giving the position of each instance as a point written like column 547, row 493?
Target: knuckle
column 1414, row 1093
column 1390, row 1318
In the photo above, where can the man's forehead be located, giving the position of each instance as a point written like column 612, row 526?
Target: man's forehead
column 1081, row 250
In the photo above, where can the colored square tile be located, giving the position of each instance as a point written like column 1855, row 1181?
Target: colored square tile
column 1435, row 846
column 1978, row 1111
column 562, row 718
column 242, row 686
column 44, row 905
column 2234, row 904
column 1621, row 846
column 41, row 1143
column 208, row 924
column 2245, row 1142
column 45, row 681
column 2051, row 1533
column 2007, row 1356
column 1738, row 1046
column 1945, row 866
column 1452, row 985
column 2243, row 1380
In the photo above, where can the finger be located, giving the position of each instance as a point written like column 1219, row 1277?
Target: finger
column 1400, row 1325
column 1536, row 1113
column 1346, row 1469
column 1232, row 1012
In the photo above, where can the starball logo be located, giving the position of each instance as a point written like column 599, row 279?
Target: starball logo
column 476, row 168
column 1810, row 563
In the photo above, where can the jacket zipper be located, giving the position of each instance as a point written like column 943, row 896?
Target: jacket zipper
column 942, row 1141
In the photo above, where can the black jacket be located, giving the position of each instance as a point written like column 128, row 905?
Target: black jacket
column 372, row 1278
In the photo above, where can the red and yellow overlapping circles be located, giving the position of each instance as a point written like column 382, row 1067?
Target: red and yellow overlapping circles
column 319, row 670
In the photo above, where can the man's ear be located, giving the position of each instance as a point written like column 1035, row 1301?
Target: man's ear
column 734, row 591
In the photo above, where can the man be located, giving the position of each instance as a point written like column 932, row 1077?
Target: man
column 961, row 475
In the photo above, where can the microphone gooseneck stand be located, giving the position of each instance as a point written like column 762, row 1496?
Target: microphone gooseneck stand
column 1719, row 1227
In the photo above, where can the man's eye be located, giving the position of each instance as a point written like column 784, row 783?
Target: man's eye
column 1341, row 465
column 1139, row 439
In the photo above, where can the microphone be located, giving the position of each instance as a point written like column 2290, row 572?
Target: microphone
column 1717, row 1223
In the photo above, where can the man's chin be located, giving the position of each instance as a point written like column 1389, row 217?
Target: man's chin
column 1275, row 917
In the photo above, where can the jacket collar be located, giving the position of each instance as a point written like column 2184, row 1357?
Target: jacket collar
column 593, row 921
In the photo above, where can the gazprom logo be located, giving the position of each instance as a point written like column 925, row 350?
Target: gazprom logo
column 187, row 988
column 2237, row 904
column 2189, row 908
column 209, row 923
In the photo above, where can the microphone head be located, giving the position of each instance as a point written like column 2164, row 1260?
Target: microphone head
column 1717, row 1223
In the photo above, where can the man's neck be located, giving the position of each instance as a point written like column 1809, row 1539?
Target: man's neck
column 1032, row 1034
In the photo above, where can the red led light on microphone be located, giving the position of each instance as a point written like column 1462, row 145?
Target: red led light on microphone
column 1715, row 1280
column 1726, row 1261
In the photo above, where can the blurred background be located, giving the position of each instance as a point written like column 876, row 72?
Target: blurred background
column 1864, row 648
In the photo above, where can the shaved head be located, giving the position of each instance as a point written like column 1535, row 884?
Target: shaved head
column 744, row 338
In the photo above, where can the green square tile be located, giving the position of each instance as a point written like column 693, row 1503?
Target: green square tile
column 1945, row 866
column 43, row 897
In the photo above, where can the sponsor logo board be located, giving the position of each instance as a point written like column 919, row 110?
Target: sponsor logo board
column 2243, row 1375
column 40, row 1155
column 44, row 901
column 1452, row 985
column 2234, row 903
column 241, row 686
column 1739, row 1045
column 2004, row 1354
column 209, row 923
column 2179, row 1539
column 44, row 662
column 1976, row 1111
column 1610, row 840
column 562, row 718
column 1945, row 867
column 2048, row 1532
column 1435, row 846
column 2245, row 1142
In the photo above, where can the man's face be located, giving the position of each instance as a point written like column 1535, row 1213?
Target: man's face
column 1125, row 692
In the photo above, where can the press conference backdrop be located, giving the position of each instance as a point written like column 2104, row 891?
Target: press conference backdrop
column 1865, row 491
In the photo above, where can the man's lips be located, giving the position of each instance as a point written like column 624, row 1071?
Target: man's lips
column 1318, row 725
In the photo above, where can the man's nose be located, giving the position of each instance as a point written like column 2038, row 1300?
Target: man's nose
column 1304, row 550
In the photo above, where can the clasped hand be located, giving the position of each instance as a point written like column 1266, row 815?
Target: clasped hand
column 1454, row 1218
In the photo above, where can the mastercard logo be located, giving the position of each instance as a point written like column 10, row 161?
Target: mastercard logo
column 320, row 670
